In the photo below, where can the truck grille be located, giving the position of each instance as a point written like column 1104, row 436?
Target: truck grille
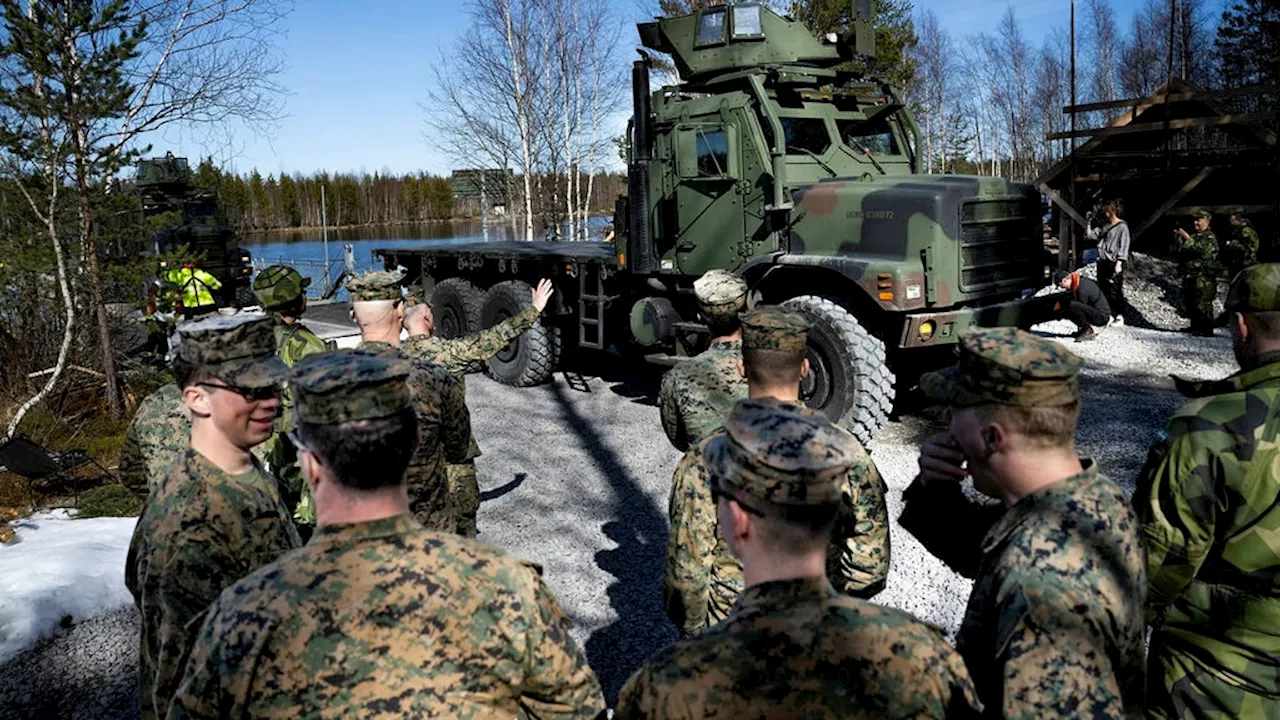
column 1000, row 244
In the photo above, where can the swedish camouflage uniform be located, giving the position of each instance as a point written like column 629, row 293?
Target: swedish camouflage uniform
column 444, row 423
column 702, row 578
column 460, row 356
column 1208, row 499
column 157, row 435
column 347, row 626
column 201, row 528
column 1197, row 259
column 276, row 287
column 697, row 394
column 1241, row 249
column 798, row 648
column 1054, row 625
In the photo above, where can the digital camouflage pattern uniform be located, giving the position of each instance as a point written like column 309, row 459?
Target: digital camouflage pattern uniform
column 201, row 528
column 696, row 395
column 798, row 648
column 1209, row 502
column 277, row 287
column 461, row 356
column 1198, row 265
column 1241, row 249
column 384, row 618
column 158, row 434
column 440, row 402
column 702, row 578
column 1054, row 626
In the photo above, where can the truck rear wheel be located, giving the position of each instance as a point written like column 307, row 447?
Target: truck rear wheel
column 245, row 297
column 456, row 305
column 848, row 380
column 531, row 358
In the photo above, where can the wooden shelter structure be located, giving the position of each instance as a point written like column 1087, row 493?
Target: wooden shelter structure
column 1166, row 157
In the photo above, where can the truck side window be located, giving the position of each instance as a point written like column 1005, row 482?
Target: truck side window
column 806, row 134
column 874, row 136
column 713, row 153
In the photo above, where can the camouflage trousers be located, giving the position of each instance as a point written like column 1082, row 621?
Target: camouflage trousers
column 1180, row 686
column 430, row 500
column 464, row 491
column 1198, row 293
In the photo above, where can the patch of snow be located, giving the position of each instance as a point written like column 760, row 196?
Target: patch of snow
column 60, row 568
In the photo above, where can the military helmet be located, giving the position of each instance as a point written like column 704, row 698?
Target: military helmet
column 279, row 285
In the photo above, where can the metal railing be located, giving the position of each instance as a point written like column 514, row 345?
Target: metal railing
column 326, row 278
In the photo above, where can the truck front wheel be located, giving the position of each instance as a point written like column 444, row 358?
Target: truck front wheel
column 531, row 358
column 848, row 380
column 456, row 305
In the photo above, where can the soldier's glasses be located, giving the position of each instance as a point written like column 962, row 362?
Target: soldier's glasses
column 717, row 492
column 250, row 394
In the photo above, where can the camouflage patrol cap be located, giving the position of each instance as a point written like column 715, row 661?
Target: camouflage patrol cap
column 780, row 454
column 1255, row 289
column 239, row 350
column 772, row 328
column 1204, row 214
column 720, row 287
column 1006, row 366
column 336, row 387
column 279, row 285
column 380, row 285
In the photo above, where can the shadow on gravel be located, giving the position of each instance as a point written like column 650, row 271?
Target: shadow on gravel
column 640, row 531
column 503, row 489
column 629, row 377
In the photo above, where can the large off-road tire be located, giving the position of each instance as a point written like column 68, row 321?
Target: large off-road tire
column 244, row 296
column 456, row 305
column 531, row 358
column 848, row 380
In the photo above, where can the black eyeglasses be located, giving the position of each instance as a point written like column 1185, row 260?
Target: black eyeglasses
column 717, row 492
column 251, row 394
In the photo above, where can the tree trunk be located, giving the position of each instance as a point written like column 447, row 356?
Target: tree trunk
column 99, row 306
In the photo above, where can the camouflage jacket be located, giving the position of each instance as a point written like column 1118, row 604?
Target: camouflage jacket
column 1209, row 503
column 465, row 354
column 385, row 619
column 200, row 531
column 1054, row 625
column 697, row 395
column 797, row 648
column 444, row 436
column 293, row 342
column 1240, row 251
column 158, row 434
column 1197, row 255
column 702, row 578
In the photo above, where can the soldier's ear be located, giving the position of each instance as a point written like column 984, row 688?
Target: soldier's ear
column 742, row 368
column 804, row 369
column 196, row 398
column 1241, row 327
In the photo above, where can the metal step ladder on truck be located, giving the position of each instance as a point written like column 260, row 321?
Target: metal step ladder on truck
column 772, row 160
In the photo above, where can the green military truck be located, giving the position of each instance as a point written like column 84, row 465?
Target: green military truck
column 772, row 160
column 185, row 216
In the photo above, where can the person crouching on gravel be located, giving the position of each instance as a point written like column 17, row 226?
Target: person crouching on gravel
column 1088, row 305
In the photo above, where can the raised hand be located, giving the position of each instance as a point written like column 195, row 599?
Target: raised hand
column 542, row 294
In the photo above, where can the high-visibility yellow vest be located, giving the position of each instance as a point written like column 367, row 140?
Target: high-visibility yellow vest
column 197, row 286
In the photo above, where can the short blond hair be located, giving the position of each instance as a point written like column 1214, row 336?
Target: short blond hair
column 1052, row 426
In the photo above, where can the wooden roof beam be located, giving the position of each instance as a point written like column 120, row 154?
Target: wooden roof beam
column 1160, row 98
column 1160, row 125
column 1173, row 200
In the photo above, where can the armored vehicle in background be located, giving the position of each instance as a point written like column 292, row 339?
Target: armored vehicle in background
column 184, row 216
column 771, row 159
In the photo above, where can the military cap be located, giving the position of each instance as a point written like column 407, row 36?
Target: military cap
column 238, row 349
column 1204, row 214
column 720, row 287
column 772, row 328
column 1255, row 289
column 1006, row 366
column 336, row 387
column 780, row 454
column 380, row 285
column 279, row 285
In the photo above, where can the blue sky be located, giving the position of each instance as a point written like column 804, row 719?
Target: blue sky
column 357, row 73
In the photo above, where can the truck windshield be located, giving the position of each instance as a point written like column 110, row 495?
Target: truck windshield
column 875, row 136
column 805, row 134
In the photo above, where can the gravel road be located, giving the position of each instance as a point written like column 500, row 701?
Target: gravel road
column 575, row 476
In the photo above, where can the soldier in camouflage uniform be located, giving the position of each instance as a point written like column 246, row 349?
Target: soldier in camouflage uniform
column 792, row 645
column 444, row 423
column 696, row 395
column 158, row 434
column 1241, row 249
column 1209, row 503
column 1197, row 257
column 216, row 515
column 378, row 617
column 461, row 356
column 1054, row 626
column 702, row 576
column 281, row 291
